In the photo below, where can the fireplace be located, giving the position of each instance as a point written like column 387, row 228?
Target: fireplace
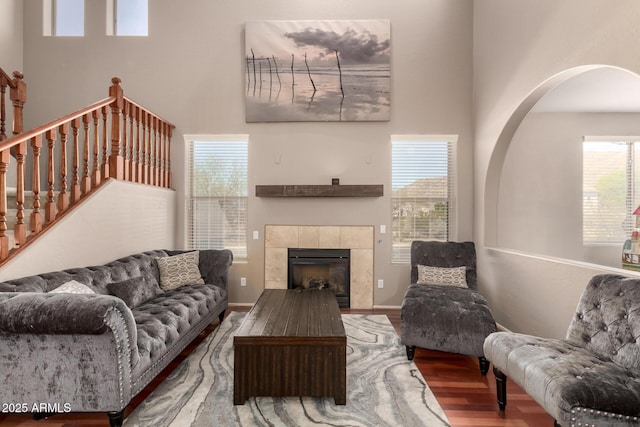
column 321, row 269
column 358, row 238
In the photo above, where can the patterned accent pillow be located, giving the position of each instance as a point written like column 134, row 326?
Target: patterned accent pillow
column 454, row 276
column 72, row 287
column 179, row 270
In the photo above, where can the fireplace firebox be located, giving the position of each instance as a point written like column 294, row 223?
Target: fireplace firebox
column 321, row 269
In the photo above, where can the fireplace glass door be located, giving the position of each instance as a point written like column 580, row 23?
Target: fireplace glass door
column 321, row 269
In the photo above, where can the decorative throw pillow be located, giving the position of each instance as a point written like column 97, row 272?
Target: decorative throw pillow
column 179, row 270
column 134, row 291
column 454, row 276
column 72, row 287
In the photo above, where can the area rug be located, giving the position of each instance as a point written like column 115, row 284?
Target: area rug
column 383, row 387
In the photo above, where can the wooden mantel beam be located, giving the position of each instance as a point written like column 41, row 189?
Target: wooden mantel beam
column 319, row 190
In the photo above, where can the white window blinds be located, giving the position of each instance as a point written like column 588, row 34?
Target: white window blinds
column 217, row 201
column 610, row 190
column 423, row 191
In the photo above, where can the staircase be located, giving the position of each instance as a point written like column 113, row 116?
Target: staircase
column 71, row 157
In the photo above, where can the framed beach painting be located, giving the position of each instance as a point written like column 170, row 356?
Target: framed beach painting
column 318, row 70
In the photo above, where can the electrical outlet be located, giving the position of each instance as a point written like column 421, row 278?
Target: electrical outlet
column 243, row 281
column 256, row 235
column 380, row 283
column 383, row 229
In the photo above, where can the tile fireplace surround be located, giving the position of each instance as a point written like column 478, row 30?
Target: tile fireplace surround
column 278, row 238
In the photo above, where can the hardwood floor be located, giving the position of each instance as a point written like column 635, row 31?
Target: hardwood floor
column 468, row 398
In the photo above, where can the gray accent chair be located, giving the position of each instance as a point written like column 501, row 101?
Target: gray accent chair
column 590, row 378
column 443, row 317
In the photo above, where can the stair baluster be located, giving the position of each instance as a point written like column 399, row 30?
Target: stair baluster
column 85, row 185
column 35, row 221
column 63, row 196
column 19, row 230
column 4, row 239
column 50, row 205
column 75, row 177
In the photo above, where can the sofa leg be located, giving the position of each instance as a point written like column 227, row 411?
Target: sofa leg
column 221, row 316
column 411, row 351
column 484, row 365
column 501, row 387
column 116, row 418
column 37, row 416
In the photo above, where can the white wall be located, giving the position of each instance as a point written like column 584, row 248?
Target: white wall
column 190, row 71
column 518, row 46
column 11, row 45
column 119, row 219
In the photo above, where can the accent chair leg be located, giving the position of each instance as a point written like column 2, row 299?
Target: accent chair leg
column 555, row 424
column 411, row 351
column 501, row 388
column 221, row 316
column 116, row 418
column 484, row 365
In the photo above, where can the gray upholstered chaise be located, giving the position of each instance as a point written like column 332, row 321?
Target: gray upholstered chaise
column 93, row 353
column 590, row 378
column 443, row 317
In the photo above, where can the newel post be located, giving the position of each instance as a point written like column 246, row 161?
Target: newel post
column 18, row 95
column 116, row 161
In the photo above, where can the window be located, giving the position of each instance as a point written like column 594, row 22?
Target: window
column 128, row 17
column 63, row 17
column 217, row 192
column 423, row 191
column 610, row 189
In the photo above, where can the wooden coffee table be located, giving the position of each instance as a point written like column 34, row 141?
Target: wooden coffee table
column 291, row 343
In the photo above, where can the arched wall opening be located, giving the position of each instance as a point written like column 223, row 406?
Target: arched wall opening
column 496, row 185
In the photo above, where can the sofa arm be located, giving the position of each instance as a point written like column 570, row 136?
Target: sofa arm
column 91, row 338
column 69, row 314
column 45, row 313
column 214, row 266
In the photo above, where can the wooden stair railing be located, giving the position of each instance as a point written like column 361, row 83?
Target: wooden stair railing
column 17, row 95
column 114, row 138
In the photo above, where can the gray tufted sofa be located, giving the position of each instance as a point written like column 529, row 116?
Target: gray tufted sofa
column 591, row 378
column 92, row 353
